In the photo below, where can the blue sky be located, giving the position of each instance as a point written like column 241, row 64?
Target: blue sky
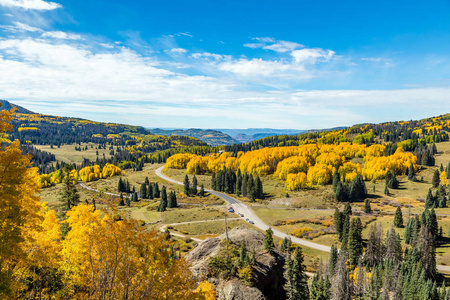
column 227, row 64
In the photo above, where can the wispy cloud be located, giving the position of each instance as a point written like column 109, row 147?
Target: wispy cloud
column 61, row 35
column 176, row 51
column 20, row 27
column 274, row 45
column 50, row 71
column 283, row 46
column 30, row 4
column 312, row 56
column 208, row 55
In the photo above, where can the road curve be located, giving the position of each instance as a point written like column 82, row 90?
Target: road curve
column 240, row 207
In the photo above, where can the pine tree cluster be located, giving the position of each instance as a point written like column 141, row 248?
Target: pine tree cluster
column 354, row 192
column 235, row 183
column 384, row 271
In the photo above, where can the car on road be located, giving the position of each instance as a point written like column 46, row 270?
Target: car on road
column 247, row 220
column 251, row 222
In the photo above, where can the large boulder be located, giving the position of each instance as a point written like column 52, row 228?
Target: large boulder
column 268, row 269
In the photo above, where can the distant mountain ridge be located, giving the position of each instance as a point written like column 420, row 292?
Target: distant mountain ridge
column 6, row 105
column 209, row 136
column 251, row 134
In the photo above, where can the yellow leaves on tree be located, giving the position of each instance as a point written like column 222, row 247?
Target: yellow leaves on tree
column 103, row 258
column 444, row 179
column 218, row 162
column 292, row 165
column 320, row 174
column 100, row 258
column 19, row 205
column 296, row 181
column 317, row 161
column 95, row 172
column 110, row 170
column 377, row 167
column 207, row 289
column 197, row 163
column 179, row 161
column 330, row 158
column 51, row 179
column 348, row 171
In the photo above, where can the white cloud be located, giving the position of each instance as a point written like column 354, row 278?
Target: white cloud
column 31, row 4
column 259, row 67
column 121, row 85
column 176, row 51
column 207, row 55
column 254, row 45
column 264, row 39
column 61, row 35
column 379, row 60
column 312, row 55
column 20, row 27
column 274, row 45
column 283, row 46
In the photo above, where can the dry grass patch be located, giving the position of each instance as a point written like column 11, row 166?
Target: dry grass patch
column 179, row 215
column 208, row 228
column 68, row 154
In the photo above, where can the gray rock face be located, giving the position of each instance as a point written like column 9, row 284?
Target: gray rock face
column 268, row 269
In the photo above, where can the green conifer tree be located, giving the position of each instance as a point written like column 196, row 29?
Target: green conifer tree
column 68, row 197
column 436, row 179
column 355, row 242
column 194, row 186
column 336, row 179
column 143, row 191
column 186, row 184
column 268, row 241
column 348, row 209
column 202, row 191
column 367, row 208
column 398, row 218
column 299, row 279
column 156, row 192
column 338, row 222
column 429, row 201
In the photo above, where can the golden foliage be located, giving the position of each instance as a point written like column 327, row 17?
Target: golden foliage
column 100, row 258
column 300, row 231
column 296, row 181
column 27, row 129
column 19, row 205
column 304, row 165
column 95, row 172
column 377, row 167
column 207, row 289
column 444, row 179
column 51, row 179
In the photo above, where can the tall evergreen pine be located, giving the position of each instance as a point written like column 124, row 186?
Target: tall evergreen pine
column 187, row 188
column 398, row 218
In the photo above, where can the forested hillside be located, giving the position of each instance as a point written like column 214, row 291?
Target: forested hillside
column 211, row 137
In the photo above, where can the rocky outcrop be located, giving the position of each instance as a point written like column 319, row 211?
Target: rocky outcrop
column 267, row 270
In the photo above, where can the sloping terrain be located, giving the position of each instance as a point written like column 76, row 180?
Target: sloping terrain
column 209, row 136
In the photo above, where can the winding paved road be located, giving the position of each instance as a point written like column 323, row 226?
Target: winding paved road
column 240, row 207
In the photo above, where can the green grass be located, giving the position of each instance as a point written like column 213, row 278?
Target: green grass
column 136, row 178
column 68, row 154
column 209, row 228
column 177, row 215
column 270, row 216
